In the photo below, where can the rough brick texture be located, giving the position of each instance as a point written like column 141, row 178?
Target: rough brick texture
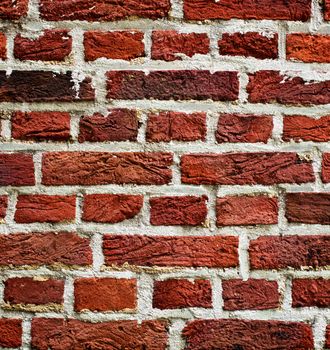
column 250, row 295
column 244, row 128
column 39, row 126
column 33, row 291
column 249, row 44
column 178, row 210
column 164, row 174
column 171, row 45
column 111, row 208
column 113, row 45
column 240, row 210
column 175, row 126
column 171, row 251
column 52, row 45
column 109, row 294
column 118, row 125
column 178, row 294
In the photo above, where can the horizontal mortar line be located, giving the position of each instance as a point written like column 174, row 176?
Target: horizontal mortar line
column 205, row 62
column 176, row 147
column 181, row 106
column 192, row 314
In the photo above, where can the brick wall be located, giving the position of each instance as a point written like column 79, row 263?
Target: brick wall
column 165, row 174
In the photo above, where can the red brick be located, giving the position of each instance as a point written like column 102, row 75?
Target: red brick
column 181, row 293
column 181, row 210
column 272, row 86
column 253, row 294
column 327, row 340
column 44, row 208
column 16, row 169
column 60, row 334
column 293, row 10
column 109, row 294
column 10, row 332
column 245, row 169
column 247, row 334
column 171, row 251
column 118, row 125
column 3, row 46
column 244, row 128
column 28, row 290
column 43, row 86
column 246, row 210
column 173, row 85
column 169, row 45
column 51, row 45
column 39, row 249
column 327, row 10
column 272, row 252
column 99, row 10
column 3, row 206
column 176, row 126
column 308, row 208
column 325, row 173
column 111, row 208
column 310, row 292
column 308, row 48
column 302, row 128
column 124, row 45
column 78, row 168
column 14, row 10
column 251, row 44
column 40, row 126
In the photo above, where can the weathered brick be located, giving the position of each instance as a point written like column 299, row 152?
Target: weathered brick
column 3, row 207
column 246, row 210
column 43, row 86
column 251, row 44
column 60, row 334
column 109, row 294
column 118, row 125
column 111, row 208
column 78, row 168
column 194, row 251
column 176, row 126
column 247, row 335
column 16, row 169
column 308, row 48
column 28, row 290
column 169, row 45
column 325, row 173
column 45, row 208
column 253, row 294
column 308, row 208
column 100, row 10
column 3, row 46
column 39, row 249
column 181, row 293
column 302, row 128
column 13, row 10
column 326, row 10
column 10, row 331
column 244, row 128
column 271, row 86
column 293, row 10
column 180, row 210
column 51, row 45
column 38, row 126
column 245, row 169
column 124, row 45
column 271, row 252
column 310, row 292
column 173, row 85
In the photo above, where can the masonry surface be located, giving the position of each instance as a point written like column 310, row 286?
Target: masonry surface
column 165, row 174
